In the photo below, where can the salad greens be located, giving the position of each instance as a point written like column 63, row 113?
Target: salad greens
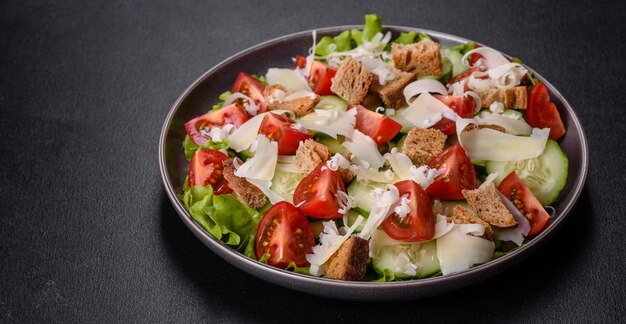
column 224, row 217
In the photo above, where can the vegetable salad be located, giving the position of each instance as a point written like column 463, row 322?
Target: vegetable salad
column 378, row 157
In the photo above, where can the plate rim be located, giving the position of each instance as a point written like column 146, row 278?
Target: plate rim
column 308, row 283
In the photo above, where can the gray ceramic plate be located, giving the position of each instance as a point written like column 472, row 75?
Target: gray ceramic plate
column 278, row 52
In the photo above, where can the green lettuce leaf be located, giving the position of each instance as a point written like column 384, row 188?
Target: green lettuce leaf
column 423, row 36
column 373, row 26
column 190, row 147
column 223, row 97
column 387, row 276
column 462, row 48
column 405, row 38
column 224, row 217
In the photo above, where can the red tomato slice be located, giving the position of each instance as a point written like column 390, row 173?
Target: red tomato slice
column 377, row 126
column 206, row 168
column 284, row 233
column 523, row 198
column 233, row 114
column 463, row 106
column 280, row 129
column 458, row 174
column 316, row 194
column 419, row 224
column 320, row 76
column 542, row 113
column 251, row 87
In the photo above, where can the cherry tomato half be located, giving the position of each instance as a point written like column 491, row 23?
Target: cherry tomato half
column 206, row 168
column 320, row 76
column 280, row 129
column 316, row 194
column 285, row 233
column 542, row 113
column 419, row 223
column 377, row 126
column 523, row 198
column 233, row 114
column 458, row 174
column 251, row 87
column 463, row 106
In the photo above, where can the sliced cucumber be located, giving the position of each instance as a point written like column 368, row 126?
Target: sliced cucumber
column 455, row 57
column 446, row 71
column 394, row 258
column 331, row 103
column 512, row 114
column 284, row 183
column 360, row 191
column 333, row 144
column 545, row 175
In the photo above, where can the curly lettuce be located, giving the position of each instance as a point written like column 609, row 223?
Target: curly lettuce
column 224, row 217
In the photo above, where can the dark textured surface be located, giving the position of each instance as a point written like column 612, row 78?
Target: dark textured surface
column 87, row 233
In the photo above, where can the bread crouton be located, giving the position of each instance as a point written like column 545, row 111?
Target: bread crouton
column 461, row 215
column 421, row 58
column 513, row 98
column 242, row 189
column 422, row 145
column 392, row 92
column 352, row 81
column 489, row 207
column 275, row 94
column 472, row 127
column 346, row 175
column 310, row 154
column 350, row 261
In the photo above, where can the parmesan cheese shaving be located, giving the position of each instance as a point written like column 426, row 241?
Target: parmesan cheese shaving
column 287, row 78
column 458, row 251
column 492, row 145
column 251, row 106
column 331, row 123
column 382, row 201
column 492, row 57
column 418, row 87
column 364, row 148
column 265, row 187
column 241, row 138
column 263, row 164
column 426, row 111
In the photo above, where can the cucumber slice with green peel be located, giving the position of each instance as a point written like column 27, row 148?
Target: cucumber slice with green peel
column 360, row 192
column 332, row 103
column 334, row 144
column 408, row 261
column 455, row 57
column 545, row 175
column 284, row 183
column 446, row 71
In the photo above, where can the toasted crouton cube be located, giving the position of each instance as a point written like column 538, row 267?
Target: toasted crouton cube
column 243, row 190
column 421, row 58
column 422, row 145
column 310, row 154
column 461, row 215
column 489, row 207
column 346, row 174
column 392, row 92
column 513, row 98
column 350, row 261
column 275, row 94
column 352, row 81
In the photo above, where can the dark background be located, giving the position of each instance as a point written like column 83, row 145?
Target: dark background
column 88, row 234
